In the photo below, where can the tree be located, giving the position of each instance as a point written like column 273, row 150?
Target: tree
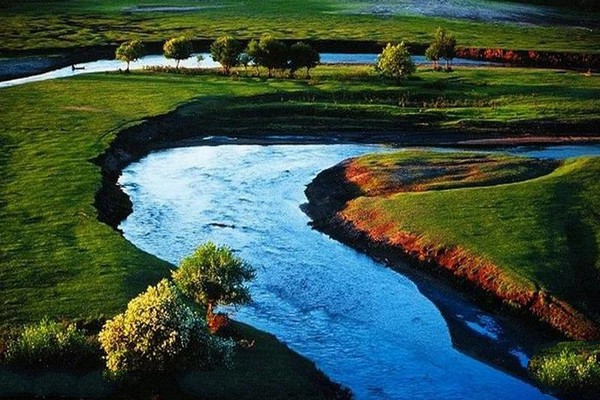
column 130, row 51
column 269, row 53
column 433, row 54
column 395, row 62
column 302, row 55
column 255, row 54
column 157, row 332
column 179, row 48
column 213, row 275
column 226, row 51
column 443, row 46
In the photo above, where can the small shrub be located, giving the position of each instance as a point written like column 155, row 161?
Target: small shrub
column 158, row 332
column 395, row 62
column 51, row 344
column 568, row 370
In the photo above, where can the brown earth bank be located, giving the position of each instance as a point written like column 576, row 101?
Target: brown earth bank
column 328, row 194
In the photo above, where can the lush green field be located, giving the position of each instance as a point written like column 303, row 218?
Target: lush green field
column 56, row 259
column 542, row 232
column 68, row 24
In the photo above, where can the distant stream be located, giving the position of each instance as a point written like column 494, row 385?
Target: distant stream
column 192, row 62
column 365, row 325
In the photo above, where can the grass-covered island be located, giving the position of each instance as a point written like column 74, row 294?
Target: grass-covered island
column 522, row 233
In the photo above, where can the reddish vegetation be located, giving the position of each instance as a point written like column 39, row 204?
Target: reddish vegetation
column 367, row 230
column 533, row 58
column 475, row 272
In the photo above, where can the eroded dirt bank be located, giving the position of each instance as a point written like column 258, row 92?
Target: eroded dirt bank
column 330, row 191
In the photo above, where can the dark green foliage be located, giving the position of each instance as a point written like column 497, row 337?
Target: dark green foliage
column 51, row 344
column 226, row 51
column 268, row 52
column 130, row 51
column 179, row 48
column 213, row 275
column 302, row 55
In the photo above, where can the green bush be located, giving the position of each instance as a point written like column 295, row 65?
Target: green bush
column 159, row 331
column 51, row 344
column 568, row 368
column 212, row 276
column 395, row 62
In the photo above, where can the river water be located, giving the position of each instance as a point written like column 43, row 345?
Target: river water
column 192, row 62
column 366, row 326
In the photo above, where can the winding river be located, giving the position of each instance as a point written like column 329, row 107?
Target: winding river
column 370, row 328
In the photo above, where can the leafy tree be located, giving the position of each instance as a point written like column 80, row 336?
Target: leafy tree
column 302, row 55
column 226, row 51
column 213, row 275
column 395, row 62
column 179, row 48
column 442, row 47
column 255, row 54
column 269, row 53
column 157, row 332
column 130, row 51
column 433, row 54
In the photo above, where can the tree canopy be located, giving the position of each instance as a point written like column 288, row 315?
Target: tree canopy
column 268, row 52
column 179, row 48
column 443, row 46
column 302, row 55
column 130, row 51
column 213, row 275
column 395, row 62
column 227, row 51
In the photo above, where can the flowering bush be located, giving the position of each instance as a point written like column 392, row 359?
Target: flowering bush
column 158, row 331
column 568, row 370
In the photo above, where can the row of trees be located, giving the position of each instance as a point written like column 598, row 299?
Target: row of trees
column 268, row 52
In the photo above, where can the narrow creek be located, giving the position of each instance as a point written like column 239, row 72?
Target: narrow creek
column 377, row 331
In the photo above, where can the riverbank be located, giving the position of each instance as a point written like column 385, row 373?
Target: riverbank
column 352, row 201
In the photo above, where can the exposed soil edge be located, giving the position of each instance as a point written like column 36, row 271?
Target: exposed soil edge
column 328, row 194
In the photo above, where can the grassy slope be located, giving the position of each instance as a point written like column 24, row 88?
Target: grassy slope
column 68, row 24
column 545, row 232
column 56, row 259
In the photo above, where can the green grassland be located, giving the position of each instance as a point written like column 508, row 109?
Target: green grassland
column 56, row 259
column 69, row 24
column 543, row 232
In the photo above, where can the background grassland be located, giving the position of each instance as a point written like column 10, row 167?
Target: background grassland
column 545, row 232
column 69, row 24
column 56, row 259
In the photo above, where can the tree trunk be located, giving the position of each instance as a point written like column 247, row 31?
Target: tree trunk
column 209, row 312
column 177, row 65
column 127, row 70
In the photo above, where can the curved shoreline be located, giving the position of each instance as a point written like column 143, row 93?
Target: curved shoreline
column 328, row 194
